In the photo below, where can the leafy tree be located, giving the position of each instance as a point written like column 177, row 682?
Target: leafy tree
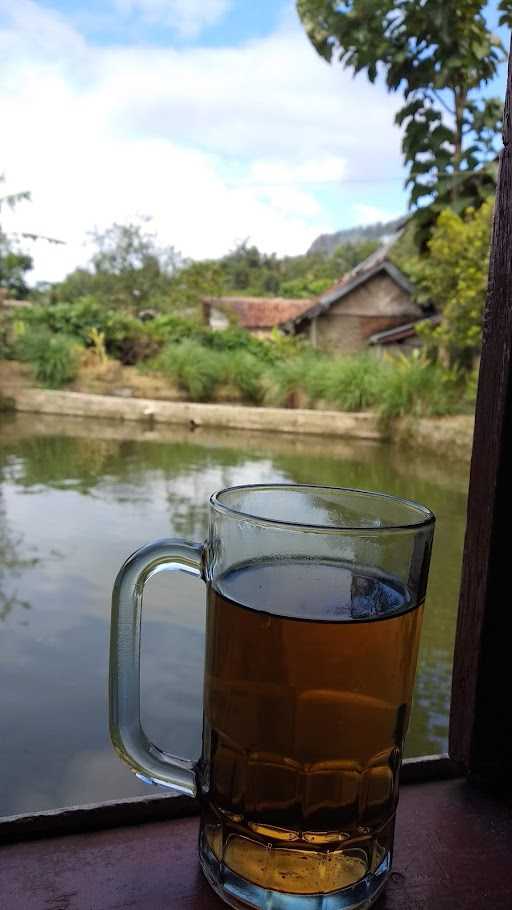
column 194, row 281
column 249, row 272
column 79, row 283
column 14, row 264
column 454, row 277
column 439, row 54
column 130, row 266
column 128, row 270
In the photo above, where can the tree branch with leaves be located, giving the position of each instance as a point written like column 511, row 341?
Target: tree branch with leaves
column 440, row 54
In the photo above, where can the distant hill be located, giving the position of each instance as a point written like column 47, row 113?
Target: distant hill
column 327, row 243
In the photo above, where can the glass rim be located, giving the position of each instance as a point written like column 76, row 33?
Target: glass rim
column 426, row 516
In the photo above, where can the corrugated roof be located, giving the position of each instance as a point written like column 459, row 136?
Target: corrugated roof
column 259, row 312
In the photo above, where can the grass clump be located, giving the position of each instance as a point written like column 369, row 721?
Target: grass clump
column 412, row 386
column 196, row 370
column 348, row 383
column 200, row 371
column 245, row 372
column 54, row 358
column 288, row 379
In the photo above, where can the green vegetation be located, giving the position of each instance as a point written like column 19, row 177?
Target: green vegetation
column 395, row 386
column 55, row 358
column 247, row 271
column 439, row 55
column 138, row 305
column 454, row 275
column 196, row 370
column 14, row 264
column 414, row 387
column 129, row 272
column 206, row 365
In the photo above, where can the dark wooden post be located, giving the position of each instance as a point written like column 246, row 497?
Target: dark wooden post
column 481, row 716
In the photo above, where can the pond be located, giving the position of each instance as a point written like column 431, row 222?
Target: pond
column 76, row 497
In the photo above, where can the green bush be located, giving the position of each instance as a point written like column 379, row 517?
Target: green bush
column 131, row 340
column 55, row 359
column 394, row 386
column 350, row 383
column 412, row 386
column 245, row 372
column 5, row 336
column 126, row 338
column 235, row 339
column 194, row 368
column 76, row 318
column 170, row 328
column 286, row 379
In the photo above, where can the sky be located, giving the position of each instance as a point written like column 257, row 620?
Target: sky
column 215, row 118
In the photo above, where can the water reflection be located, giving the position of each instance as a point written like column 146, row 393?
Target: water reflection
column 80, row 496
column 11, row 565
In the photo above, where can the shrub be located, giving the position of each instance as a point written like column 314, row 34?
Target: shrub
column 5, row 336
column 413, row 386
column 195, row 369
column 76, row 318
column 288, row 378
column 235, row 339
column 55, row 358
column 172, row 328
column 126, row 338
column 350, row 383
column 245, row 372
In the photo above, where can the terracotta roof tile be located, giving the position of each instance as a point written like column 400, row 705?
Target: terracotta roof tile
column 260, row 312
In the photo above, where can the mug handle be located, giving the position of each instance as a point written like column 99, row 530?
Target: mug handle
column 151, row 764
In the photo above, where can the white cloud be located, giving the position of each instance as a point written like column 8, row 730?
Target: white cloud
column 370, row 214
column 216, row 144
column 327, row 169
column 186, row 17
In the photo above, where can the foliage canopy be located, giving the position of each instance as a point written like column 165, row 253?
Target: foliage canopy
column 439, row 54
column 454, row 277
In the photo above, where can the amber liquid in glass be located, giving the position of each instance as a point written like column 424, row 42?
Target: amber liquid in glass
column 309, row 674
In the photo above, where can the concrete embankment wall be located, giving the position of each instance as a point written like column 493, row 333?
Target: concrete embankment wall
column 449, row 435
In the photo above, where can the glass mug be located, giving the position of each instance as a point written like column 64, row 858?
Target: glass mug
column 314, row 609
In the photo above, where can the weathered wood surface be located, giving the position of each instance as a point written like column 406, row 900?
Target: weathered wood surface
column 453, row 851
column 160, row 807
column 95, row 817
column 481, row 718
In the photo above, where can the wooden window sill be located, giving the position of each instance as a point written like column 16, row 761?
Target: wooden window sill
column 453, row 849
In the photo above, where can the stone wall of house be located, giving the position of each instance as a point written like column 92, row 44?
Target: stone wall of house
column 375, row 306
column 398, row 349
column 217, row 319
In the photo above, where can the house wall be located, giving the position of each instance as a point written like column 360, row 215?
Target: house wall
column 217, row 319
column 261, row 333
column 408, row 346
column 374, row 306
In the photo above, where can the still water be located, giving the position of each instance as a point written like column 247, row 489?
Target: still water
column 76, row 497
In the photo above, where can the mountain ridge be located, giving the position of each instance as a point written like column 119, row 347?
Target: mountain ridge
column 327, row 243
